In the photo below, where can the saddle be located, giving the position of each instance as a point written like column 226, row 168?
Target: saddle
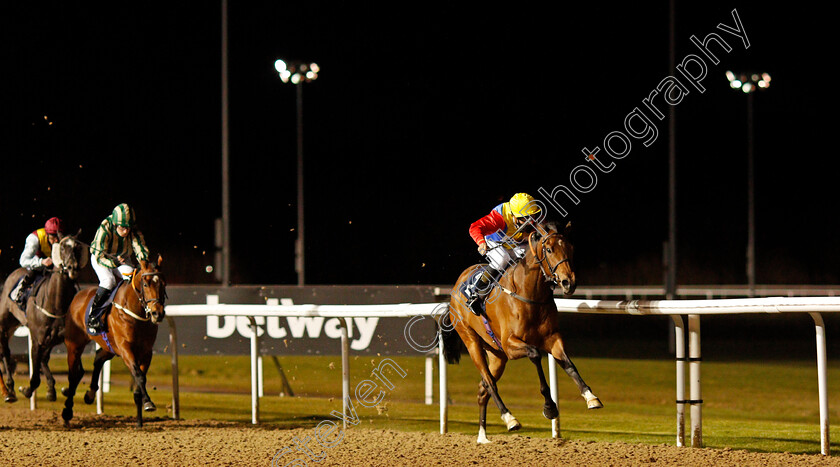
column 31, row 290
column 482, row 303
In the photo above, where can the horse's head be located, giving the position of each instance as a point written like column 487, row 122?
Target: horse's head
column 553, row 251
column 151, row 288
column 69, row 256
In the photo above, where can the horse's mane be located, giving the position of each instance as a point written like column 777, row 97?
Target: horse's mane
column 553, row 226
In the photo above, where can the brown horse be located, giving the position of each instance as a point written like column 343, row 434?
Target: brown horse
column 44, row 315
column 132, row 326
column 523, row 320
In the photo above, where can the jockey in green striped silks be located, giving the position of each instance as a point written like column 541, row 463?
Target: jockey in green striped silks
column 115, row 240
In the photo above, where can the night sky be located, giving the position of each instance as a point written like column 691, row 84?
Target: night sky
column 425, row 115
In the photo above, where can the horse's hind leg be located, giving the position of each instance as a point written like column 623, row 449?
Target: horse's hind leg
column 99, row 360
column 566, row 364
column 3, row 372
column 496, row 365
column 8, row 386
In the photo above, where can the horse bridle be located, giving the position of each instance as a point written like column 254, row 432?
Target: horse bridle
column 552, row 278
column 141, row 294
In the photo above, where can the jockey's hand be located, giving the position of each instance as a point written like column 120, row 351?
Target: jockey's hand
column 47, row 262
column 482, row 249
column 121, row 259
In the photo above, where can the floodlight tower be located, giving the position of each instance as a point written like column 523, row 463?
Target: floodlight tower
column 749, row 83
column 298, row 73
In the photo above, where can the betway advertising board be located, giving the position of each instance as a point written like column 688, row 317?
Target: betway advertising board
column 231, row 335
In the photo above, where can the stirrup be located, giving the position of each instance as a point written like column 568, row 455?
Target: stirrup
column 473, row 303
column 94, row 327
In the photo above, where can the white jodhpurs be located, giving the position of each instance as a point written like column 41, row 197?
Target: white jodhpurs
column 110, row 277
column 500, row 257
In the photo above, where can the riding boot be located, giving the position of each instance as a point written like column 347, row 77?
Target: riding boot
column 19, row 291
column 477, row 291
column 94, row 324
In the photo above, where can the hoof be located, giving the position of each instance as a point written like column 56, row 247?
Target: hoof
column 592, row 401
column 90, row 397
column 149, row 406
column 67, row 415
column 51, row 396
column 66, row 392
column 550, row 411
column 26, row 392
column 511, row 422
column 482, row 436
column 11, row 398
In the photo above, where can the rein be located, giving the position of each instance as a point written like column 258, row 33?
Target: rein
column 521, row 298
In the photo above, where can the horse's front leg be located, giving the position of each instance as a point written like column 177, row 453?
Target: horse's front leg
column 75, row 374
column 45, row 369
column 488, row 381
column 36, row 352
column 559, row 354
column 517, row 348
column 496, row 365
column 142, row 401
column 102, row 356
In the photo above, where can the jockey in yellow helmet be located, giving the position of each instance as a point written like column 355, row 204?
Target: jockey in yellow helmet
column 501, row 237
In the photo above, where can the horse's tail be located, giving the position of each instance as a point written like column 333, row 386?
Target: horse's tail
column 451, row 341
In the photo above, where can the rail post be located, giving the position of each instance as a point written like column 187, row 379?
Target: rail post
column 345, row 369
column 442, row 387
column 822, row 380
column 255, row 353
column 552, row 381
column 695, row 392
column 679, row 353
column 173, row 349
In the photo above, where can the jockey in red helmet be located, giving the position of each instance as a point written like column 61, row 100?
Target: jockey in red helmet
column 36, row 256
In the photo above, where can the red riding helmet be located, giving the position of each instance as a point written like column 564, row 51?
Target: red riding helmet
column 53, row 226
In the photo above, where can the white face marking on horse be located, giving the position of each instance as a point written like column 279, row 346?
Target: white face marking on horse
column 155, row 279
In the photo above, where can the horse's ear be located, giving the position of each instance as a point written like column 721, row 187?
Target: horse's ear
column 79, row 232
column 159, row 260
column 568, row 229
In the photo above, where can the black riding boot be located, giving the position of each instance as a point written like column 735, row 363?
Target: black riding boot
column 19, row 291
column 95, row 319
column 477, row 291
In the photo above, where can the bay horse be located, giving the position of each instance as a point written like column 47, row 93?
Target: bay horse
column 131, row 330
column 44, row 315
column 522, row 320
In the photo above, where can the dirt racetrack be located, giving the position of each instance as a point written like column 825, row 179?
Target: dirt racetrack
column 38, row 438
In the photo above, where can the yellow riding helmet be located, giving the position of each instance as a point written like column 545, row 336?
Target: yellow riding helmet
column 522, row 205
